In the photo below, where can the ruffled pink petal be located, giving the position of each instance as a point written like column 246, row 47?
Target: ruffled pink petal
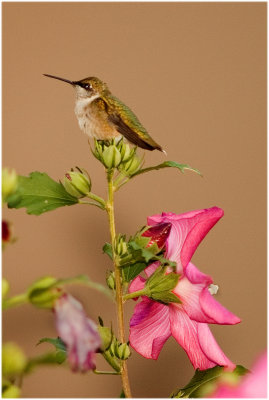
column 152, row 268
column 137, row 284
column 185, row 331
column 189, row 294
column 194, row 275
column 215, row 311
column 210, row 347
column 149, row 328
column 169, row 217
column 197, row 340
column 211, row 309
column 187, row 232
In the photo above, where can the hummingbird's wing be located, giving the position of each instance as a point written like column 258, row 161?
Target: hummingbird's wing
column 128, row 124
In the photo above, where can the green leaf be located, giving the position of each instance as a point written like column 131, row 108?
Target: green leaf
column 139, row 250
column 57, row 342
column 122, row 395
column 107, row 249
column 132, row 270
column 167, row 164
column 38, row 193
column 197, row 385
column 58, row 357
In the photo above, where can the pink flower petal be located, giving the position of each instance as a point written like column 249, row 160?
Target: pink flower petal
column 197, row 301
column 151, row 268
column 195, row 276
column 185, row 331
column 189, row 294
column 78, row 332
column 187, row 232
column 137, row 284
column 215, row 311
column 149, row 328
column 252, row 385
column 210, row 347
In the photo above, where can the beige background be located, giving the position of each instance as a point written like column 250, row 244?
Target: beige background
column 195, row 74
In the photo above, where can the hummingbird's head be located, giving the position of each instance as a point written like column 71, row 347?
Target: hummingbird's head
column 90, row 87
column 86, row 88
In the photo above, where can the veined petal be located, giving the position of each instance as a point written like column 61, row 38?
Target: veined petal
column 149, row 328
column 185, row 331
column 197, row 301
column 187, row 232
column 211, row 348
column 152, row 268
column 215, row 311
column 194, row 275
column 137, row 284
column 189, row 294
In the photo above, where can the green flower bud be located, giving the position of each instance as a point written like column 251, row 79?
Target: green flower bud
column 11, row 392
column 126, row 151
column 131, row 166
column 111, row 156
column 43, row 293
column 110, row 280
column 122, row 351
column 5, row 288
column 9, row 182
column 98, row 150
column 77, row 183
column 120, row 245
column 13, row 359
column 113, row 345
column 159, row 286
column 106, row 337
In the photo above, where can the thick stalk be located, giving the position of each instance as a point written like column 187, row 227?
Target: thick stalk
column 119, row 298
column 15, row 301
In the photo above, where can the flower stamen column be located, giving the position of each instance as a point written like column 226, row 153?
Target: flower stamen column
column 119, row 298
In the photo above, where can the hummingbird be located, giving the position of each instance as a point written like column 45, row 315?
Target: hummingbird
column 104, row 117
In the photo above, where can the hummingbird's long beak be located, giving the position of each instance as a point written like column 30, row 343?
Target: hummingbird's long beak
column 60, row 79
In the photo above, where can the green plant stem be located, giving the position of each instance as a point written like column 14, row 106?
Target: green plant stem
column 97, row 199
column 120, row 181
column 91, row 204
column 112, row 362
column 95, row 371
column 133, row 295
column 15, row 301
column 119, row 299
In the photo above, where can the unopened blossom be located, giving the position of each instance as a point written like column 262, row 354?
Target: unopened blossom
column 252, row 385
column 153, row 323
column 78, row 332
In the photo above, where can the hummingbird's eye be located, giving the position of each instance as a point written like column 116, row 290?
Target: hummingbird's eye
column 87, row 86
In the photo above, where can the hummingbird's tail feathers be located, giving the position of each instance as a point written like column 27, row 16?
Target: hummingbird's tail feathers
column 164, row 152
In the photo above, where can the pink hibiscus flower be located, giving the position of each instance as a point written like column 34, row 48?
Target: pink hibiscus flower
column 153, row 323
column 252, row 385
column 78, row 332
